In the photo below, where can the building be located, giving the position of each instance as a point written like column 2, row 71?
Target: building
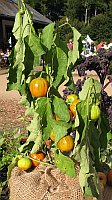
column 8, row 10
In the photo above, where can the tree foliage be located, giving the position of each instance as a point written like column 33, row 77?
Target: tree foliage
column 88, row 16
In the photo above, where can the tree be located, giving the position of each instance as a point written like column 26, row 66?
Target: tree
column 74, row 10
column 100, row 27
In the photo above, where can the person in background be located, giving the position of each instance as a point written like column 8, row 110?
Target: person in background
column 100, row 45
column 92, row 47
column 70, row 45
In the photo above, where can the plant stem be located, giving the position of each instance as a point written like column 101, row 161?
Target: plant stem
column 19, row 4
column 42, row 162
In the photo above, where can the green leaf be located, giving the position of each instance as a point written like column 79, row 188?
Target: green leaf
column 60, row 109
column 30, row 110
column 87, row 173
column 35, row 135
column 94, row 138
column 70, row 82
column 20, row 52
column 74, row 53
column 44, row 110
column 105, row 133
column 26, row 29
column 32, row 62
column 92, row 188
column 47, row 35
column 95, row 89
column 11, row 166
column 35, row 45
column 60, row 63
column 41, row 106
column 65, row 164
column 59, row 129
column 46, row 132
column 24, row 101
column 17, row 28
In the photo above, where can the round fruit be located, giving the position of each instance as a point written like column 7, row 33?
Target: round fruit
column 24, row 163
column 66, row 143
column 37, row 156
column 73, row 106
column 95, row 112
column 102, row 178
column 70, row 98
column 52, row 136
column 39, row 87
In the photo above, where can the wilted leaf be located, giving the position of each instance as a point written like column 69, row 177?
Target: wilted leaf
column 47, row 35
column 60, row 109
column 65, row 164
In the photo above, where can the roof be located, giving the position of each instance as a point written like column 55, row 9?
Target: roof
column 9, row 8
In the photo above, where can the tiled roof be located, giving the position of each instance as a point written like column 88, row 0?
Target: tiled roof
column 9, row 8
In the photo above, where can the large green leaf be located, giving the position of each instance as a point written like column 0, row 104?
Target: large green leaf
column 74, row 53
column 20, row 52
column 87, row 173
column 60, row 62
column 35, row 45
column 60, row 109
column 44, row 110
column 94, row 140
column 65, row 164
column 26, row 29
column 31, row 62
column 35, row 135
column 59, row 129
column 47, row 35
column 94, row 86
column 17, row 28
column 105, row 133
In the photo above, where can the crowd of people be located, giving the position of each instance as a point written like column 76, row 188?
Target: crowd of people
column 89, row 47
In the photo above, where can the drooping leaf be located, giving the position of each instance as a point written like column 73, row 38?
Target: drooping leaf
column 11, row 166
column 47, row 35
column 60, row 109
column 65, row 164
column 59, row 129
column 35, row 45
column 87, row 173
column 35, row 135
column 74, row 53
column 94, row 138
column 17, row 28
column 20, row 52
column 95, row 89
column 60, row 62
column 26, row 29
column 105, row 133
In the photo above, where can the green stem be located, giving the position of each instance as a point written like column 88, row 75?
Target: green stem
column 42, row 162
column 19, row 4
column 88, row 97
column 66, row 23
